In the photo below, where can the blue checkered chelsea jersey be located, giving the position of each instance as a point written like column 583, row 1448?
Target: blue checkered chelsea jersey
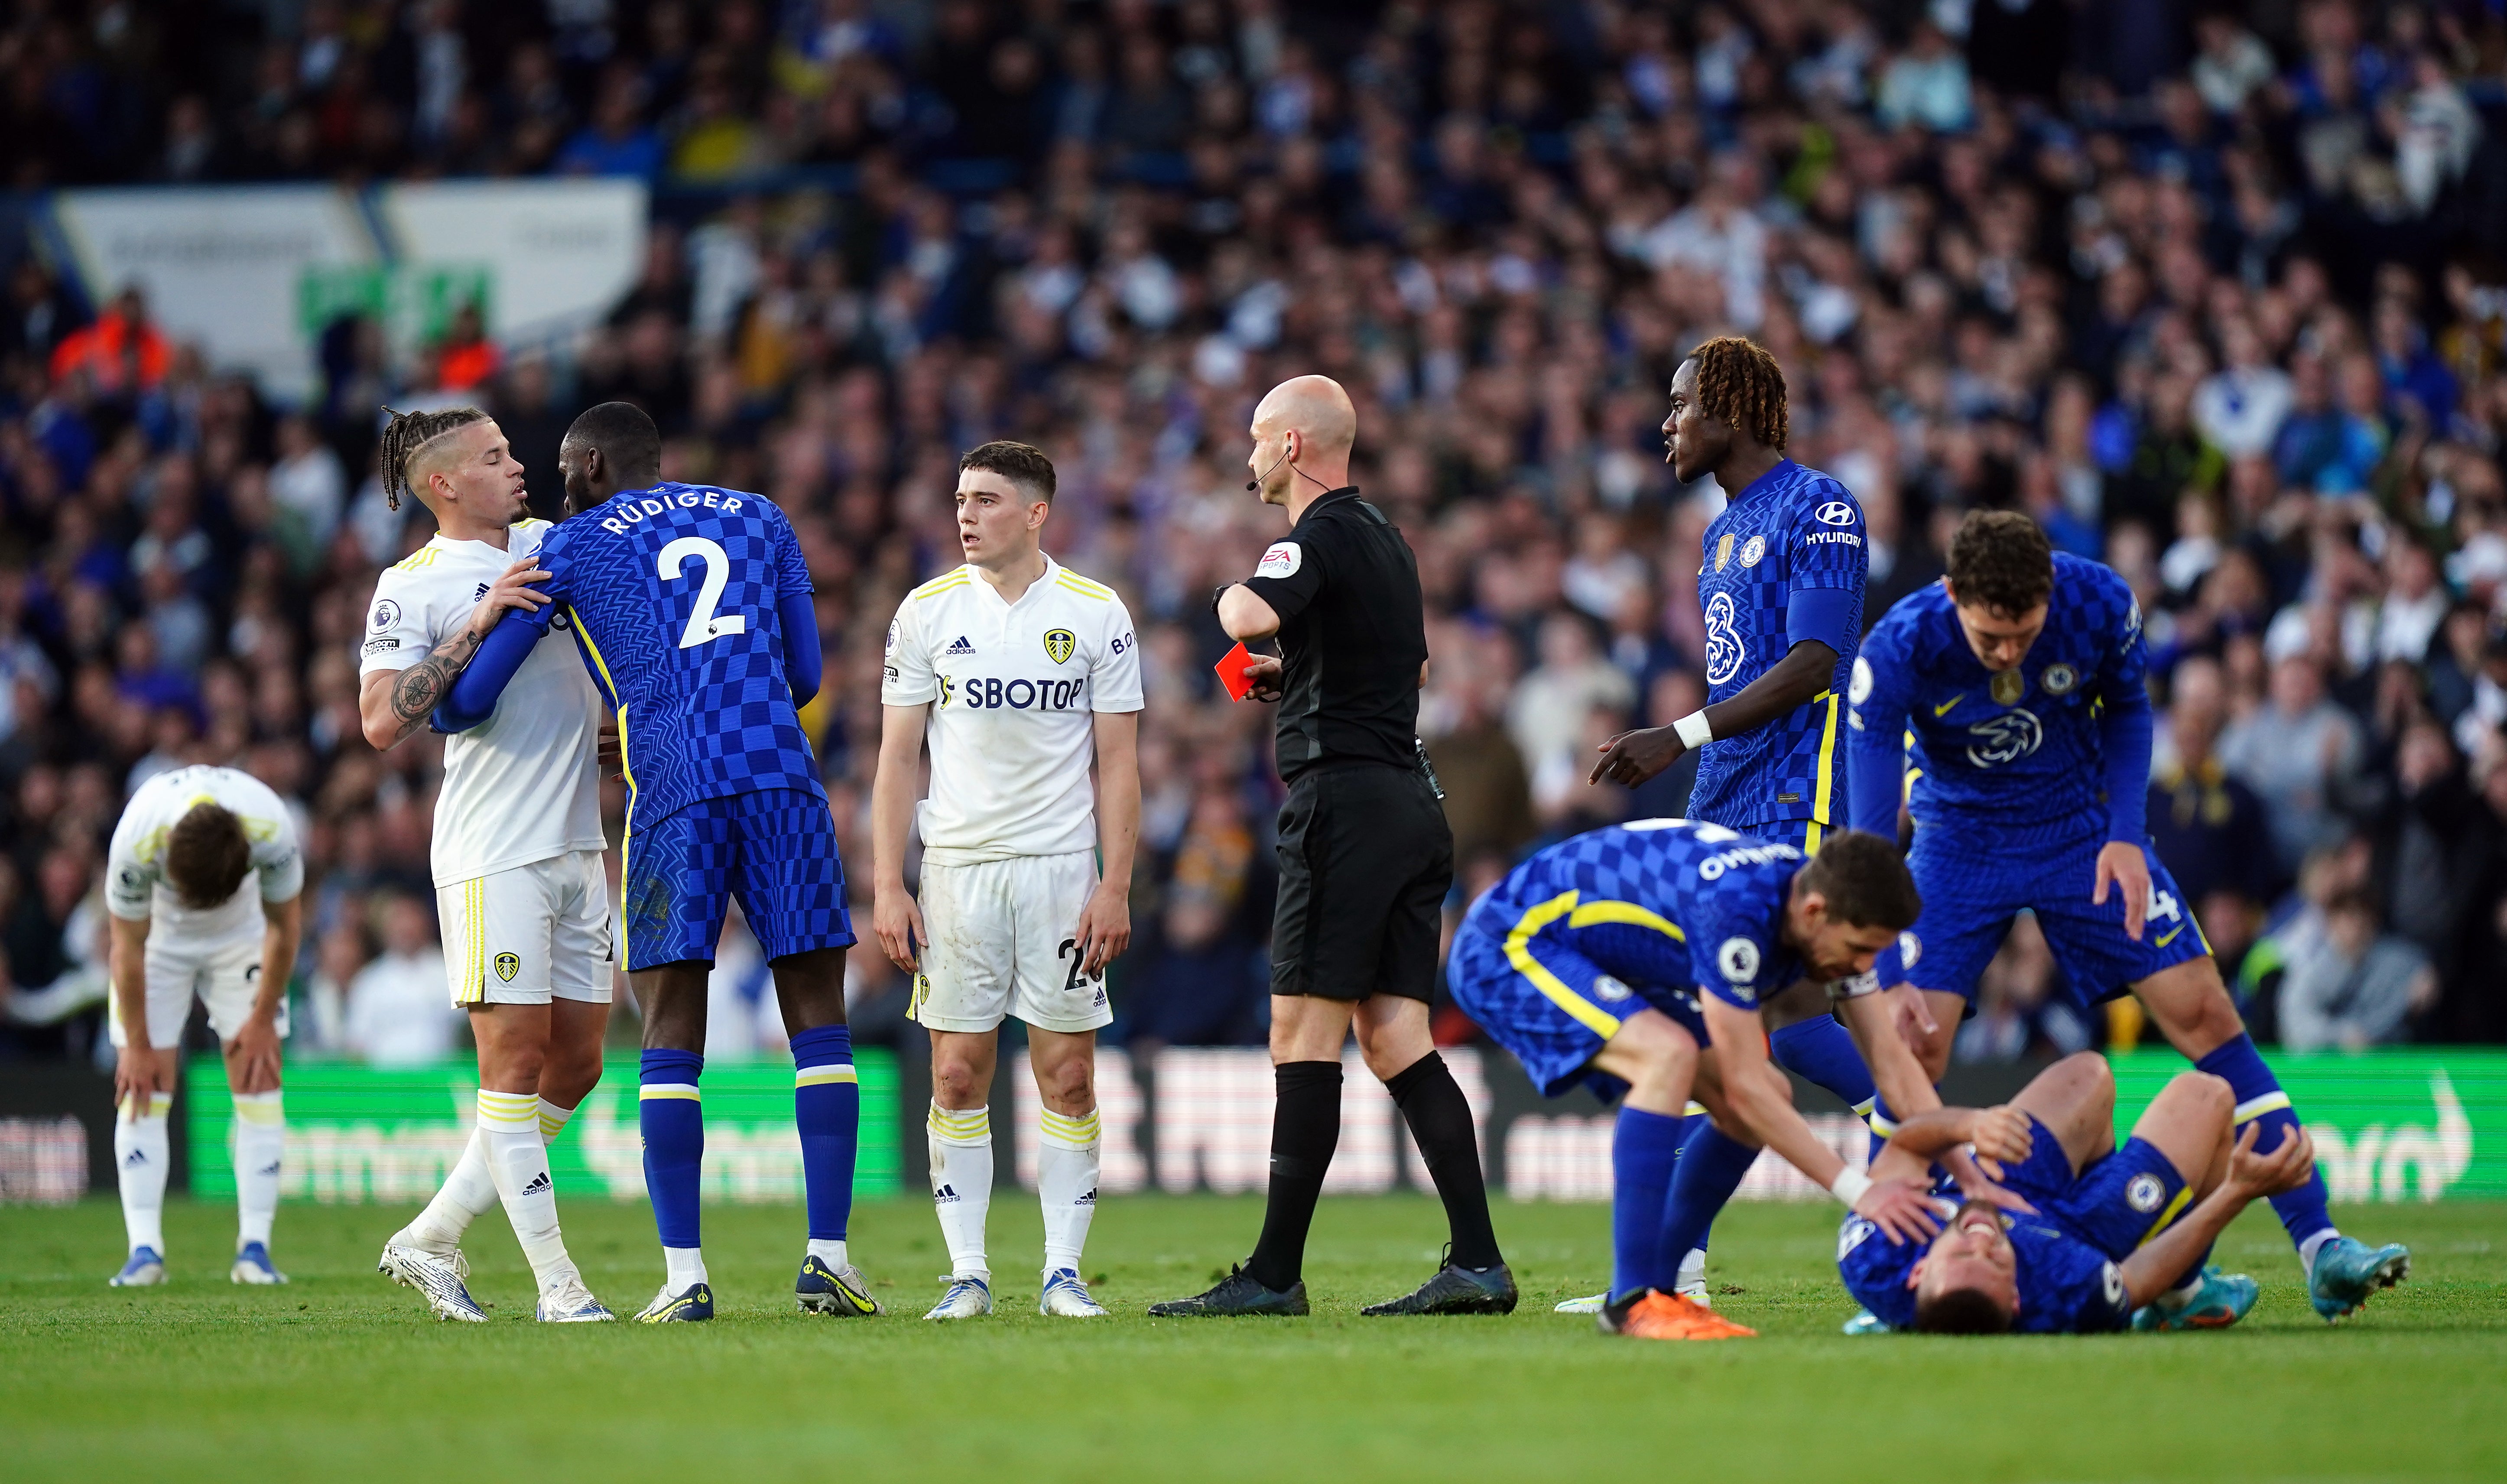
column 1622, row 890
column 1791, row 529
column 671, row 593
column 2066, row 1285
column 2018, row 755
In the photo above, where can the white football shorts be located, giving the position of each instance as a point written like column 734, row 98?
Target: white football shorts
column 223, row 973
column 1002, row 944
column 528, row 936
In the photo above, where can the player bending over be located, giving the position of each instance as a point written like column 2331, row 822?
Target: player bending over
column 1018, row 667
column 519, row 885
column 1641, row 957
column 1781, row 593
column 188, row 923
column 691, row 607
column 2022, row 680
column 2118, row 1235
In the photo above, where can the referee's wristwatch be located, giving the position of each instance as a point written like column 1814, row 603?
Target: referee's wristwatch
column 1215, row 593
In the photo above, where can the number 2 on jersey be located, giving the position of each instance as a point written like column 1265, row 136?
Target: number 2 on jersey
column 702, row 623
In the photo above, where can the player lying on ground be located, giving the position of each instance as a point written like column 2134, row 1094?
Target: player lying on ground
column 519, row 885
column 2117, row 1236
column 2021, row 677
column 1781, row 594
column 691, row 606
column 1638, row 958
column 1019, row 668
column 205, row 886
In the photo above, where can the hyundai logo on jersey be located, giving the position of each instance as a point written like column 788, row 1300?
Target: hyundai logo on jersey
column 1836, row 513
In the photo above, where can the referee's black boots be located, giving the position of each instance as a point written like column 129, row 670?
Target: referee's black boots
column 1238, row 1292
column 1456, row 1291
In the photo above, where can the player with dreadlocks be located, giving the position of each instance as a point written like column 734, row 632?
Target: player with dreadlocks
column 519, row 885
column 1782, row 591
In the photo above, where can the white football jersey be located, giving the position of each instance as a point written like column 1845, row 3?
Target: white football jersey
column 524, row 785
column 1014, row 689
column 135, row 884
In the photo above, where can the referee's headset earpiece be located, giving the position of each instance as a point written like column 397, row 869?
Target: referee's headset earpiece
column 1255, row 485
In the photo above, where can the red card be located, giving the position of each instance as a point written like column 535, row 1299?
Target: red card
column 1235, row 672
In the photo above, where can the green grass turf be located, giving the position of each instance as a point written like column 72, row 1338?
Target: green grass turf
column 339, row 1376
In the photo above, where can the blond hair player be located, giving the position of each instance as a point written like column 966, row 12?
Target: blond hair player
column 519, row 886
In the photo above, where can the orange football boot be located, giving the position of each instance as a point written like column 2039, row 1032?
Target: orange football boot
column 1659, row 1315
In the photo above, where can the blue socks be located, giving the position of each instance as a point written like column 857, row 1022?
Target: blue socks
column 1823, row 1052
column 2259, row 1097
column 826, row 1103
column 1711, row 1168
column 1645, row 1147
column 672, row 1118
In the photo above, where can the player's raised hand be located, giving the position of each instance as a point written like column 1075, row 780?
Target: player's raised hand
column 1901, row 1209
column 1632, row 757
column 2121, row 864
column 1105, row 927
column 513, row 590
column 2284, row 1167
column 2001, row 1132
column 897, row 922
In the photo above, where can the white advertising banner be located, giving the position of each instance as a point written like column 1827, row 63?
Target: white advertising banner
column 560, row 252
column 221, row 266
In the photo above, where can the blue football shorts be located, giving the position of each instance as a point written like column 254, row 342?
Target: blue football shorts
column 2125, row 1198
column 773, row 850
column 1971, row 895
column 1554, row 1009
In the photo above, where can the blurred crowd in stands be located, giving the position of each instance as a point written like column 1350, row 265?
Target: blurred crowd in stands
column 2216, row 292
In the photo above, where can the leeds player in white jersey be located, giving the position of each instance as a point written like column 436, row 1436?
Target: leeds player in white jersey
column 519, row 892
column 1017, row 669
column 204, row 886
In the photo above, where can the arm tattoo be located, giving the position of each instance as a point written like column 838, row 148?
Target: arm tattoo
column 424, row 684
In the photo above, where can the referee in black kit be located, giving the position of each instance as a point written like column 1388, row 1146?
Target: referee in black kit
column 1365, row 860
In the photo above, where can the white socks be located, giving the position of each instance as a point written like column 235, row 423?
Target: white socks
column 2306, row 1250
column 831, row 1253
column 517, row 1158
column 260, row 1141
column 141, row 1151
column 1067, row 1157
column 469, row 1191
column 962, row 1184
column 683, row 1268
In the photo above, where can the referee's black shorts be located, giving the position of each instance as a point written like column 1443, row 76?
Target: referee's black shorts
column 1365, row 860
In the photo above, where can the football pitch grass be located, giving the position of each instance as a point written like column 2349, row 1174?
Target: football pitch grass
column 341, row 1376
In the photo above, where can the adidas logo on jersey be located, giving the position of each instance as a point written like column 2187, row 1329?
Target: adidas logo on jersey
column 482, row 592
column 961, row 647
column 539, row 1182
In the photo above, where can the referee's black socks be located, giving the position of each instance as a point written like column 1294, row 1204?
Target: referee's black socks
column 1439, row 1116
column 1305, row 1129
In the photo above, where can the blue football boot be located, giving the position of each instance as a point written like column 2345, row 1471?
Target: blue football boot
column 2219, row 1301
column 2348, row 1271
column 144, row 1270
column 823, row 1290
column 691, row 1303
column 252, row 1265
